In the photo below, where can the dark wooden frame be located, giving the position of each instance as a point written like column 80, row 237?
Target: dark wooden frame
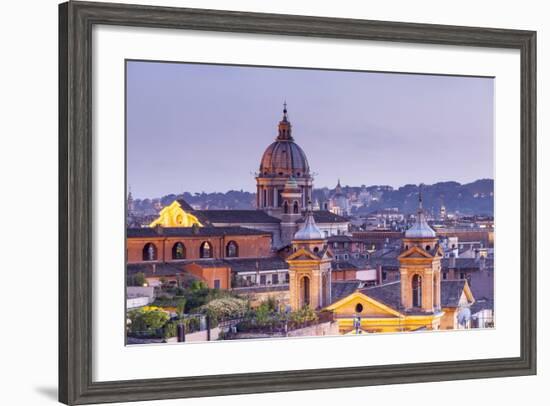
column 75, row 187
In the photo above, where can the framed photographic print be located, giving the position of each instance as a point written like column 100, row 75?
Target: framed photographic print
column 260, row 202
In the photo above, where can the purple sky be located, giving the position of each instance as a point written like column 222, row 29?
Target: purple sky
column 205, row 127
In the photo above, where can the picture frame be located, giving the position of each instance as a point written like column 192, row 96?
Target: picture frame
column 76, row 19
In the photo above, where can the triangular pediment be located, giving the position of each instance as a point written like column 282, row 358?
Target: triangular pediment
column 369, row 304
column 415, row 252
column 302, row 254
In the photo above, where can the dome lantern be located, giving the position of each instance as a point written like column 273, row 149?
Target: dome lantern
column 420, row 228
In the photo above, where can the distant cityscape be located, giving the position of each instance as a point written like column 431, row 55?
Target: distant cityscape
column 377, row 206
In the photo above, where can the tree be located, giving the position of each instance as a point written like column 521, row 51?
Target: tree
column 180, row 308
column 147, row 320
column 137, row 279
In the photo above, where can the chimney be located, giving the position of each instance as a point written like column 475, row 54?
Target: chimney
column 379, row 274
column 482, row 263
column 452, row 261
column 195, row 228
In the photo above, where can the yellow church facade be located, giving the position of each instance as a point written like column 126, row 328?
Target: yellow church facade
column 359, row 311
column 174, row 215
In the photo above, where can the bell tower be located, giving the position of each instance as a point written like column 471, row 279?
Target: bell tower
column 292, row 210
column 310, row 270
column 420, row 266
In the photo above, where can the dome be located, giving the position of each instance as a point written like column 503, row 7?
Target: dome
column 309, row 231
column 284, row 157
column 420, row 228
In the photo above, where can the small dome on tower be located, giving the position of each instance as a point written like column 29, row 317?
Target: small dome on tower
column 420, row 228
column 309, row 231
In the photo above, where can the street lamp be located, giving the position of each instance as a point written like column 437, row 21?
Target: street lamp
column 357, row 323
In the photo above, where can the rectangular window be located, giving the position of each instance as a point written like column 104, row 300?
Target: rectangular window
column 384, row 275
column 262, row 279
column 275, row 278
column 287, row 278
column 217, row 284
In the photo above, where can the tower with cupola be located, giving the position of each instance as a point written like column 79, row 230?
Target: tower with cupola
column 310, row 270
column 420, row 266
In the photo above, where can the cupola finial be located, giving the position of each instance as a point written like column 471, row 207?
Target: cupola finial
column 285, row 129
column 420, row 196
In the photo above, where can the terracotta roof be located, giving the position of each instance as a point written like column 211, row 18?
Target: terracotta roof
column 325, row 216
column 465, row 263
column 253, row 264
column 341, row 289
column 388, row 294
column 235, row 216
column 156, row 269
column 340, row 238
column 191, row 231
column 236, row 264
column 451, row 291
column 184, row 205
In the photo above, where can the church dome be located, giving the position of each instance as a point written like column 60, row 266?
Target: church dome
column 284, row 157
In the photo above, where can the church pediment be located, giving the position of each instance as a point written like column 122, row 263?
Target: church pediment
column 369, row 307
column 415, row 252
column 302, row 254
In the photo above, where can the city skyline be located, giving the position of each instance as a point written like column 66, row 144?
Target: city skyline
column 349, row 124
column 343, row 184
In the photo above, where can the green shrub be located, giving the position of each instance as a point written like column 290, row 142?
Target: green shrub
column 170, row 329
column 138, row 279
column 146, row 321
column 225, row 308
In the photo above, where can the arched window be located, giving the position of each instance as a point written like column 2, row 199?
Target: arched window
column 285, row 205
column 232, row 249
column 265, row 198
column 178, row 251
column 304, row 282
column 417, row 291
column 295, row 208
column 149, row 252
column 206, row 250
